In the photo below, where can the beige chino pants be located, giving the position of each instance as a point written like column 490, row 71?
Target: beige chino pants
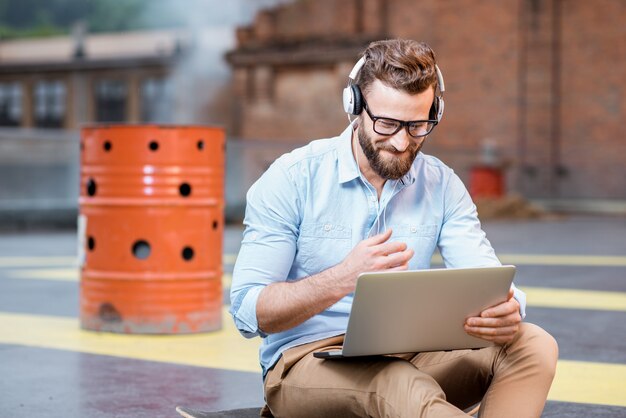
column 509, row 381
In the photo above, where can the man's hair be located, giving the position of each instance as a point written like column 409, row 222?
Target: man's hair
column 401, row 64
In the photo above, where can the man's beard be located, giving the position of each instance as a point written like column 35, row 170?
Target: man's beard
column 391, row 168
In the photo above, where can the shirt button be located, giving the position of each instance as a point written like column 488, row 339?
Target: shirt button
column 413, row 229
column 253, row 236
column 373, row 198
column 327, row 227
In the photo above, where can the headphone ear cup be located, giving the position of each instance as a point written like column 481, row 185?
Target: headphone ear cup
column 348, row 100
column 432, row 113
column 352, row 100
column 436, row 110
column 358, row 99
column 440, row 108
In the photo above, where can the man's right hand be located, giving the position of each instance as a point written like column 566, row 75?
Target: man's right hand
column 284, row 305
column 376, row 253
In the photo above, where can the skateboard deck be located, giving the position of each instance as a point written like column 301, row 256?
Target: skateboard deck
column 193, row 413
column 235, row 413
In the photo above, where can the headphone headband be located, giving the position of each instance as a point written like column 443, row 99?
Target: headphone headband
column 357, row 67
column 353, row 99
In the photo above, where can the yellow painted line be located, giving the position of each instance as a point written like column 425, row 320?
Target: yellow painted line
column 586, row 382
column 575, row 299
column 70, row 275
column 554, row 260
column 563, row 260
column 227, row 280
column 536, row 296
column 220, row 349
column 61, row 274
column 45, row 261
column 37, row 261
column 575, row 381
column 517, row 259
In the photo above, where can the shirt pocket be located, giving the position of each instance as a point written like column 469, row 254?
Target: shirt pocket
column 421, row 238
column 322, row 245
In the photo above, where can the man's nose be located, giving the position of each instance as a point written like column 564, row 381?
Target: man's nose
column 401, row 140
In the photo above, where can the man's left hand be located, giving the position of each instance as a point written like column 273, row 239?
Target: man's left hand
column 498, row 324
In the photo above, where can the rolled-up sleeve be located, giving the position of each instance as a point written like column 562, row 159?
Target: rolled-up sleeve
column 462, row 242
column 269, row 244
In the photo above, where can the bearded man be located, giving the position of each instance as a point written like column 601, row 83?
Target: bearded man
column 370, row 200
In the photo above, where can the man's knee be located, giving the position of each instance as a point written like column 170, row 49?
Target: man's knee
column 400, row 387
column 539, row 348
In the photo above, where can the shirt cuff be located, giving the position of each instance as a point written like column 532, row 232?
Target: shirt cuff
column 520, row 297
column 243, row 310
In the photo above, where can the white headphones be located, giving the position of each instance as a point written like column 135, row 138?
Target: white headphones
column 353, row 98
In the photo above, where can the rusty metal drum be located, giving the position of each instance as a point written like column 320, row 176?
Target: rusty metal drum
column 150, row 228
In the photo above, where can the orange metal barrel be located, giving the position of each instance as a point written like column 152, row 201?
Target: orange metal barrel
column 150, row 228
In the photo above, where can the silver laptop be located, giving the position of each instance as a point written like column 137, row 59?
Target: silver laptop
column 417, row 311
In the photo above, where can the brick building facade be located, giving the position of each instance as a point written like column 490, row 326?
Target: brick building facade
column 543, row 80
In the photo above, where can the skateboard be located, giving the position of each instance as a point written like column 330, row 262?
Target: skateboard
column 193, row 413
column 235, row 413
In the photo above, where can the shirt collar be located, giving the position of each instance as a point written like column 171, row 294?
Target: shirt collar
column 348, row 169
column 345, row 159
column 409, row 177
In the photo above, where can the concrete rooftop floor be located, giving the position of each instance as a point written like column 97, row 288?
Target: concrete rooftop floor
column 573, row 269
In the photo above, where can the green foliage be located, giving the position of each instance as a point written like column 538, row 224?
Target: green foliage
column 7, row 32
column 24, row 18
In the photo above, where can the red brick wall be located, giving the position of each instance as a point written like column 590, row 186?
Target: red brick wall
column 480, row 72
column 563, row 132
column 304, row 105
column 593, row 98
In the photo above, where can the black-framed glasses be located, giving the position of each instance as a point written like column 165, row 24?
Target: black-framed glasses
column 390, row 126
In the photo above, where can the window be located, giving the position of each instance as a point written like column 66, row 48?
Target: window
column 156, row 100
column 111, row 101
column 50, row 104
column 10, row 104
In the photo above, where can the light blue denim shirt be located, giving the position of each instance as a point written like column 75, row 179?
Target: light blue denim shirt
column 312, row 206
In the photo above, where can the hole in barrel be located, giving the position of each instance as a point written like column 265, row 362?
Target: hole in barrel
column 200, row 144
column 141, row 249
column 108, row 313
column 185, row 189
column 91, row 243
column 91, row 187
column 215, row 224
column 107, row 146
column 187, row 253
column 154, row 145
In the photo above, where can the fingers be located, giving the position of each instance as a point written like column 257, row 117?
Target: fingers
column 500, row 330
column 491, row 332
column 497, row 335
column 379, row 238
column 385, row 263
column 389, row 248
column 381, row 255
column 402, row 267
column 509, row 320
column 503, row 309
column 399, row 258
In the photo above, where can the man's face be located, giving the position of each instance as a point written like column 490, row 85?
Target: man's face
column 391, row 157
